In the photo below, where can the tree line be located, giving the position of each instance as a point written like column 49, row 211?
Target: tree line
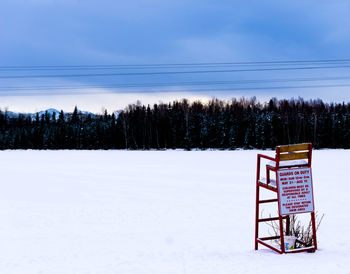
column 238, row 123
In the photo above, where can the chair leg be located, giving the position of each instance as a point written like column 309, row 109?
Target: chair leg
column 313, row 222
column 257, row 217
column 281, row 233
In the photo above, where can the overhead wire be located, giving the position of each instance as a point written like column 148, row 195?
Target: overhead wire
column 168, row 72
column 280, row 62
column 191, row 90
column 182, row 69
column 177, row 84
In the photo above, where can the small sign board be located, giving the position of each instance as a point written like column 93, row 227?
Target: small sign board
column 295, row 190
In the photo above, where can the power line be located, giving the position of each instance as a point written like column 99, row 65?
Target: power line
column 178, row 64
column 190, row 90
column 168, row 72
column 131, row 67
column 165, row 66
column 176, row 84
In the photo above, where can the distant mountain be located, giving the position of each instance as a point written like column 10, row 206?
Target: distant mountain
column 50, row 111
column 12, row 114
column 85, row 112
column 116, row 113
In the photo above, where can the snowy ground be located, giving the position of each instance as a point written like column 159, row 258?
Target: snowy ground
column 155, row 212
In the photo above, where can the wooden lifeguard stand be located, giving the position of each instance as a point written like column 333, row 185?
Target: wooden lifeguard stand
column 293, row 186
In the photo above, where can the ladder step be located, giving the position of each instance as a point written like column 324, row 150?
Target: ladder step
column 268, row 201
column 269, row 238
column 274, row 189
column 271, row 219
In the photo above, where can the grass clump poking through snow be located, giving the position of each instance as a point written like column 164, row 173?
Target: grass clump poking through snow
column 303, row 233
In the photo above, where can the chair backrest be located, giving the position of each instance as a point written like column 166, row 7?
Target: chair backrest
column 294, row 155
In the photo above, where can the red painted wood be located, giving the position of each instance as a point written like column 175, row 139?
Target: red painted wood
column 271, row 219
column 257, row 203
column 269, row 238
column 313, row 221
column 267, row 187
column 268, row 201
column 258, row 240
column 269, row 246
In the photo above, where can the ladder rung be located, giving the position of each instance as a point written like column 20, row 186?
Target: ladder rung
column 269, row 238
column 271, row 219
column 268, row 201
column 274, row 189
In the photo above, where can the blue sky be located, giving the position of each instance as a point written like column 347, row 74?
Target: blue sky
column 74, row 32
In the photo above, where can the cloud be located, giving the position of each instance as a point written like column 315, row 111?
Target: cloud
column 70, row 32
column 94, row 102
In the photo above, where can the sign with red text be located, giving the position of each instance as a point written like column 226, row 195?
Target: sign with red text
column 295, row 191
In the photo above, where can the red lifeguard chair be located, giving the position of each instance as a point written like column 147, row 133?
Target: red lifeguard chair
column 293, row 186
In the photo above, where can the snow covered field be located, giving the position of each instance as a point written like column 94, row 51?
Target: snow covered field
column 155, row 212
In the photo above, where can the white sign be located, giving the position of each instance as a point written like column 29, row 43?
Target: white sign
column 295, row 191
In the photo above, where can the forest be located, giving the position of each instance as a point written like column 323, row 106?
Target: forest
column 237, row 123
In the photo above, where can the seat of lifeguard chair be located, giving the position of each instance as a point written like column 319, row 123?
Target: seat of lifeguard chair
column 284, row 164
column 291, row 163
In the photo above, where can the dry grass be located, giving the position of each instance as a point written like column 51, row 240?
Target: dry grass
column 302, row 232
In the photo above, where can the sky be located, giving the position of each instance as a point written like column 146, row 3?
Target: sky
column 113, row 32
